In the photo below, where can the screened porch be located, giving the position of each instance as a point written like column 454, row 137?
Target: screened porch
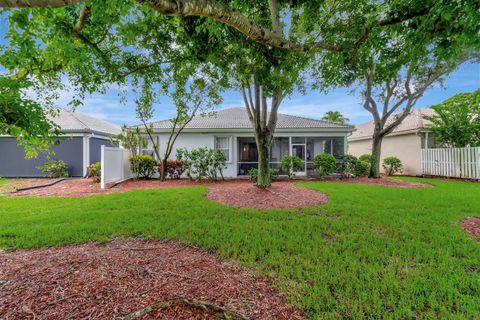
column 306, row 148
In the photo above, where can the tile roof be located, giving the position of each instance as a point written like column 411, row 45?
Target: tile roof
column 414, row 121
column 76, row 122
column 237, row 118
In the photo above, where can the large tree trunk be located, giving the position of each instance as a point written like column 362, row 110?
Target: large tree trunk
column 163, row 169
column 376, row 154
column 264, row 144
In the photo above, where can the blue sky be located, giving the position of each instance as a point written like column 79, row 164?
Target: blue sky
column 314, row 104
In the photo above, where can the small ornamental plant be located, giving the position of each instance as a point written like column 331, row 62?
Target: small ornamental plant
column 94, row 171
column 55, row 168
column 346, row 165
column 365, row 158
column 290, row 165
column 142, row 166
column 361, row 169
column 325, row 164
column 175, row 168
column 392, row 165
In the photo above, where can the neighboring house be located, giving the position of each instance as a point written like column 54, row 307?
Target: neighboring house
column 405, row 142
column 79, row 146
column 230, row 130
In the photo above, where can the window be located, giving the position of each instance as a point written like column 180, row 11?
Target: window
column 223, row 144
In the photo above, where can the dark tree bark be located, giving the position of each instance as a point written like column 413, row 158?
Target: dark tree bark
column 264, row 124
column 395, row 99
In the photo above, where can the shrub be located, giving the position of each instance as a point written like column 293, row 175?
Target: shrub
column 392, row 165
column 254, row 174
column 346, row 165
column 361, row 168
column 175, row 168
column 291, row 164
column 325, row 164
column 202, row 163
column 365, row 158
column 55, row 168
column 142, row 166
column 94, row 170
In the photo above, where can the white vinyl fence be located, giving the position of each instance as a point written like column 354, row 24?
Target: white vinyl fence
column 115, row 165
column 452, row 162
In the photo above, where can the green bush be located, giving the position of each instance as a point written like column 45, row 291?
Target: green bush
column 55, row 168
column 142, row 166
column 392, row 165
column 202, row 163
column 94, row 170
column 361, row 168
column 366, row 158
column 325, row 164
column 254, row 174
column 346, row 165
column 291, row 164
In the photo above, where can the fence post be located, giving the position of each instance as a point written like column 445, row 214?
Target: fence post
column 102, row 167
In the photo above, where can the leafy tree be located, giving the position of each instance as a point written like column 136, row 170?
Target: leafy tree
column 335, row 116
column 24, row 118
column 457, row 120
column 130, row 139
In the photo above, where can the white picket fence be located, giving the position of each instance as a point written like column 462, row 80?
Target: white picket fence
column 452, row 162
column 115, row 165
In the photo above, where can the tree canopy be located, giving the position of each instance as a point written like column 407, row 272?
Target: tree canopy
column 457, row 120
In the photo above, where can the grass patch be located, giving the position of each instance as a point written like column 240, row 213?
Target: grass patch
column 370, row 252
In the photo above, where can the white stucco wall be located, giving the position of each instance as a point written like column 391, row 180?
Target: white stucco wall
column 192, row 140
column 406, row 147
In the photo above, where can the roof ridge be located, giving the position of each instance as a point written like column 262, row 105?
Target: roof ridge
column 72, row 113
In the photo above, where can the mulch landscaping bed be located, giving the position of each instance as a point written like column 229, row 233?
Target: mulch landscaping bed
column 85, row 187
column 472, row 226
column 110, row 281
column 280, row 195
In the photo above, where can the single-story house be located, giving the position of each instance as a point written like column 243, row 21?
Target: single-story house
column 79, row 146
column 405, row 142
column 230, row 130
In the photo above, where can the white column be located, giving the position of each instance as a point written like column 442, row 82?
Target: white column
column 86, row 153
column 426, row 140
column 102, row 161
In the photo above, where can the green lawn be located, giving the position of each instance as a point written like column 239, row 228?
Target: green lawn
column 371, row 252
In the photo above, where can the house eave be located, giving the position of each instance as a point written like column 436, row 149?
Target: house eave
column 393, row 134
column 250, row 130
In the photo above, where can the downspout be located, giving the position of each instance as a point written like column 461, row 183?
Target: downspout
column 86, row 153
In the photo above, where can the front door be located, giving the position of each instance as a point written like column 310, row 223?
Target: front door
column 299, row 150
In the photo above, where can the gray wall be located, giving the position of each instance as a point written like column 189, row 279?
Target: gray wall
column 95, row 148
column 14, row 164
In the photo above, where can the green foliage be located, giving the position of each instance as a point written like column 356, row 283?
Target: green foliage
column 24, row 118
column 361, row 168
column 55, row 168
column 291, row 164
column 392, row 165
column 94, row 171
column 325, row 164
column 202, row 163
column 346, row 165
column 175, row 168
column 253, row 173
column 142, row 165
column 131, row 139
column 335, row 116
column 407, row 238
column 457, row 121
column 366, row 158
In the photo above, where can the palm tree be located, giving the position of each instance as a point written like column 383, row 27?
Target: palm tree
column 335, row 116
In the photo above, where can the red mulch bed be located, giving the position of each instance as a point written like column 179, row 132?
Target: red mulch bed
column 106, row 281
column 85, row 187
column 280, row 195
column 472, row 226
column 384, row 182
